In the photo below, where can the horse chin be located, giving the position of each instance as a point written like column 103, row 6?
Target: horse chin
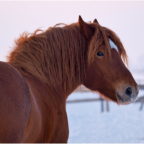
column 117, row 99
column 106, row 97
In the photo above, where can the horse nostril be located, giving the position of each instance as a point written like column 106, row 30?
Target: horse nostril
column 129, row 91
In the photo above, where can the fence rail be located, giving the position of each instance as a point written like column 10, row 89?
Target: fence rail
column 141, row 86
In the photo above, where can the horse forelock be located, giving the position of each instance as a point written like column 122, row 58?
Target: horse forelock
column 117, row 42
column 103, row 37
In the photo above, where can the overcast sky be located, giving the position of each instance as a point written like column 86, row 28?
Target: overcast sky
column 125, row 18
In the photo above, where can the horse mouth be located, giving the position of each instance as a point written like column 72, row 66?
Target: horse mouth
column 122, row 100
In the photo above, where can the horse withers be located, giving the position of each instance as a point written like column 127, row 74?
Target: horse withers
column 46, row 66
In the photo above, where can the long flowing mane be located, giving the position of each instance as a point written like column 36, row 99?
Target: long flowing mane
column 58, row 55
column 54, row 56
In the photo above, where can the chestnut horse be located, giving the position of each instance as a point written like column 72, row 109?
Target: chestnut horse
column 45, row 67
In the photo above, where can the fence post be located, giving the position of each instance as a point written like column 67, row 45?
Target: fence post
column 107, row 106
column 102, row 104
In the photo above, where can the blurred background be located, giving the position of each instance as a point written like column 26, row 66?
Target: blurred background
column 90, row 119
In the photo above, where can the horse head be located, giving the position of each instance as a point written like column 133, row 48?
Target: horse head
column 106, row 71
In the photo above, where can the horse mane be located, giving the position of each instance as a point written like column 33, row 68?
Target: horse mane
column 57, row 56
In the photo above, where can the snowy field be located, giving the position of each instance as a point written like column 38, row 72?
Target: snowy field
column 123, row 124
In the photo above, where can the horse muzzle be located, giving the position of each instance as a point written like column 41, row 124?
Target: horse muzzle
column 126, row 94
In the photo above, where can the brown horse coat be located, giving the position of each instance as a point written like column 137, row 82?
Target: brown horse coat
column 44, row 68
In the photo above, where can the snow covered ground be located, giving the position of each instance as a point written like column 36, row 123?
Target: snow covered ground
column 123, row 124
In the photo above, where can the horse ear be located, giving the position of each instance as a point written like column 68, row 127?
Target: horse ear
column 95, row 21
column 86, row 29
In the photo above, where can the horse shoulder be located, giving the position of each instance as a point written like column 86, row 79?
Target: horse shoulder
column 33, row 129
column 51, row 113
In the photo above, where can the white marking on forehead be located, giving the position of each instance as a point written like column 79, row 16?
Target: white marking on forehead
column 113, row 45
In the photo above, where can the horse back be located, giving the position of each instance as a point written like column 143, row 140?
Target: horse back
column 14, row 104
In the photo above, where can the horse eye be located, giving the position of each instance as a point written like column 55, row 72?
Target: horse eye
column 100, row 54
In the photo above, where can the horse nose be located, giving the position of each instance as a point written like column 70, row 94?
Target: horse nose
column 126, row 94
column 128, row 91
